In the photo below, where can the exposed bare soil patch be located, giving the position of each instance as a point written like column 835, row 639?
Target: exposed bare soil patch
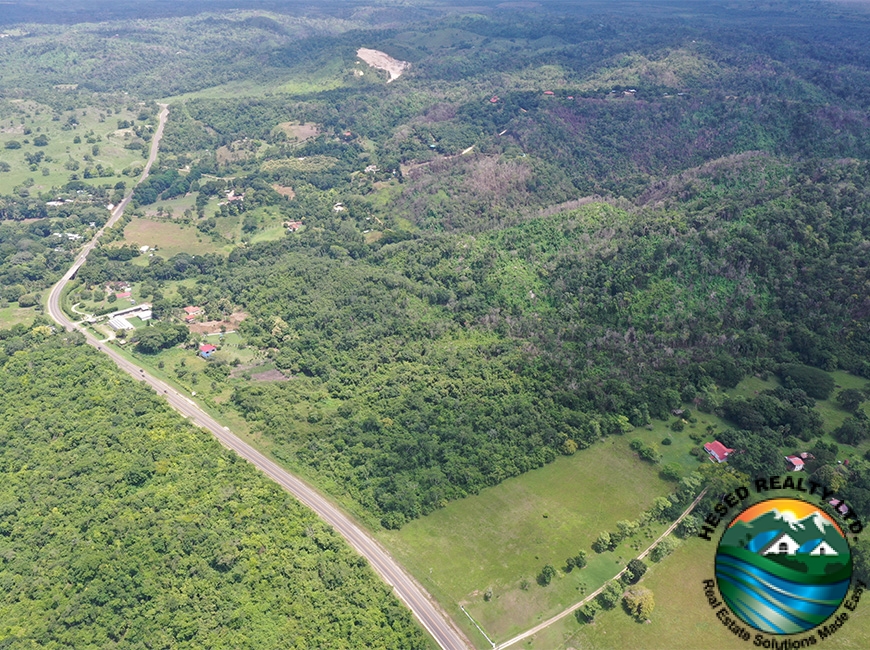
column 284, row 191
column 265, row 375
column 230, row 324
column 299, row 132
column 270, row 375
column 383, row 61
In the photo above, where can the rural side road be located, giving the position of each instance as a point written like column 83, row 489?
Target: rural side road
column 576, row 606
column 421, row 604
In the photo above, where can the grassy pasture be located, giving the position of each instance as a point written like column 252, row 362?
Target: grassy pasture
column 507, row 533
column 170, row 238
column 24, row 120
column 13, row 314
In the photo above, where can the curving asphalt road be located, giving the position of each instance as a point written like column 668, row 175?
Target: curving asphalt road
column 421, row 604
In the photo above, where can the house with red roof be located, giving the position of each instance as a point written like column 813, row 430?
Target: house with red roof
column 206, row 350
column 549, row 92
column 122, row 294
column 795, row 463
column 718, row 452
column 191, row 312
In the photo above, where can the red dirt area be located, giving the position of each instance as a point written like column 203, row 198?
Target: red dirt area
column 284, row 191
column 214, row 326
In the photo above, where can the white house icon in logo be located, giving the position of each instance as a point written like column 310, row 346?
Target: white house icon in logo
column 783, row 544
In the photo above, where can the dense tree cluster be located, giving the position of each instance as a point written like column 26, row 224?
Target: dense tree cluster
column 123, row 526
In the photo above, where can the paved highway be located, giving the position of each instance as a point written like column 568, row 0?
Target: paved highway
column 421, row 604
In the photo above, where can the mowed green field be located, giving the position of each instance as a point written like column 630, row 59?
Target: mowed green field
column 62, row 159
column 507, row 533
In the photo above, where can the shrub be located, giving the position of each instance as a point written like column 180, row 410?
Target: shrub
column 671, row 472
column 603, row 543
column 639, row 602
column 634, row 572
column 609, row 596
column 664, row 548
column 586, row 614
column 688, row 527
column 667, row 441
column 546, row 575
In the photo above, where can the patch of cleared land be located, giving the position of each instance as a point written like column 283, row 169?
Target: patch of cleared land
column 100, row 148
column 299, row 132
column 170, row 238
column 507, row 533
column 14, row 314
column 284, row 191
column 383, row 61
column 231, row 324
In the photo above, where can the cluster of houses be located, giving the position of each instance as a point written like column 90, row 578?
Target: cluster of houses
column 719, row 453
column 784, row 544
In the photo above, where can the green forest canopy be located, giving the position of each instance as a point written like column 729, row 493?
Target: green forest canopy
column 121, row 525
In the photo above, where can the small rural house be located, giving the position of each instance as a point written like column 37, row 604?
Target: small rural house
column 795, row 463
column 206, row 350
column 718, row 452
column 191, row 312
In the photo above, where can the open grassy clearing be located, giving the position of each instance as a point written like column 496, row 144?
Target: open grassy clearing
column 170, row 238
column 61, row 159
column 269, row 225
column 507, row 533
column 298, row 132
column 13, row 315
column 175, row 208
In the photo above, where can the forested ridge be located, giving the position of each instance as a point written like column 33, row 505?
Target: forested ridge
column 551, row 229
column 460, row 360
column 494, row 320
column 123, row 526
